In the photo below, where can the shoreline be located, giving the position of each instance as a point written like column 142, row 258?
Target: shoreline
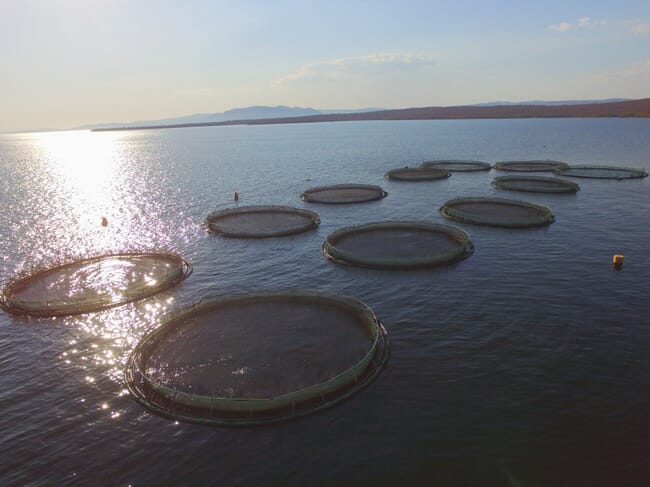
column 625, row 109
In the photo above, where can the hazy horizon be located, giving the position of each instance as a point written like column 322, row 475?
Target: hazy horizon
column 70, row 63
column 243, row 113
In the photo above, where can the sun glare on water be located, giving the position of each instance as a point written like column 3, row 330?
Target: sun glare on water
column 86, row 168
column 98, row 193
column 95, row 198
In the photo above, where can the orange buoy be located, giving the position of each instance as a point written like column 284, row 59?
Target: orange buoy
column 104, row 222
column 618, row 259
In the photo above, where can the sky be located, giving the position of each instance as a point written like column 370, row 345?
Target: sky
column 66, row 63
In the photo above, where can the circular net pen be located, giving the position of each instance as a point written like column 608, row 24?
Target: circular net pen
column 398, row 245
column 93, row 284
column 343, row 194
column 497, row 212
column 261, row 221
column 535, row 184
column 239, row 360
column 458, row 165
column 603, row 172
column 417, row 174
column 530, row 166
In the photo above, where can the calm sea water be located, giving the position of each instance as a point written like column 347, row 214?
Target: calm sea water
column 526, row 364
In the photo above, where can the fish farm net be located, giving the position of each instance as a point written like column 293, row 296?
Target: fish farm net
column 398, row 245
column 535, row 184
column 238, row 360
column 417, row 174
column 497, row 212
column 343, row 194
column 93, row 284
column 531, row 166
column 262, row 221
column 603, row 172
column 458, row 165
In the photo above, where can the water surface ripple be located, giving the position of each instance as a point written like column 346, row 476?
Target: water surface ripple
column 527, row 362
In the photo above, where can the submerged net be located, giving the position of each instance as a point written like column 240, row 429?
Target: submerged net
column 417, row 174
column 262, row 221
column 497, row 212
column 398, row 245
column 530, row 166
column 535, row 184
column 93, row 284
column 603, row 172
column 257, row 358
column 344, row 193
column 458, row 165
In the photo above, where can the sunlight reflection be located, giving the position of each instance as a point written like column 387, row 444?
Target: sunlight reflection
column 96, row 193
column 75, row 179
column 84, row 159
column 90, row 176
column 118, row 330
column 87, row 166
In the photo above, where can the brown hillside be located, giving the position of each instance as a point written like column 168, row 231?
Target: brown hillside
column 631, row 108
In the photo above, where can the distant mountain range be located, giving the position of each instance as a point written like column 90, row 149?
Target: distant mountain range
column 270, row 112
column 600, row 108
column 548, row 103
column 247, row 113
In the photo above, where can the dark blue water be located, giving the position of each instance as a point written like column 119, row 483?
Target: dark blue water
column 526, row 363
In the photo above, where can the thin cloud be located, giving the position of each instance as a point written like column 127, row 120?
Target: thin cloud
column 561, row 27
column 357, row 66
column 588, row 22
column 637, row 70
column 581, row 23
column 638, row 28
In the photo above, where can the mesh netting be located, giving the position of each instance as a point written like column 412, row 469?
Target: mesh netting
column 458, row 165
column 497, row 212
column 530, row 166
column 398, row 245
column 262, row 221
column 344, row 193
column 93, row 284
column 257, row 358
column 535, row 184
column 417, row 174
column 602, row 172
